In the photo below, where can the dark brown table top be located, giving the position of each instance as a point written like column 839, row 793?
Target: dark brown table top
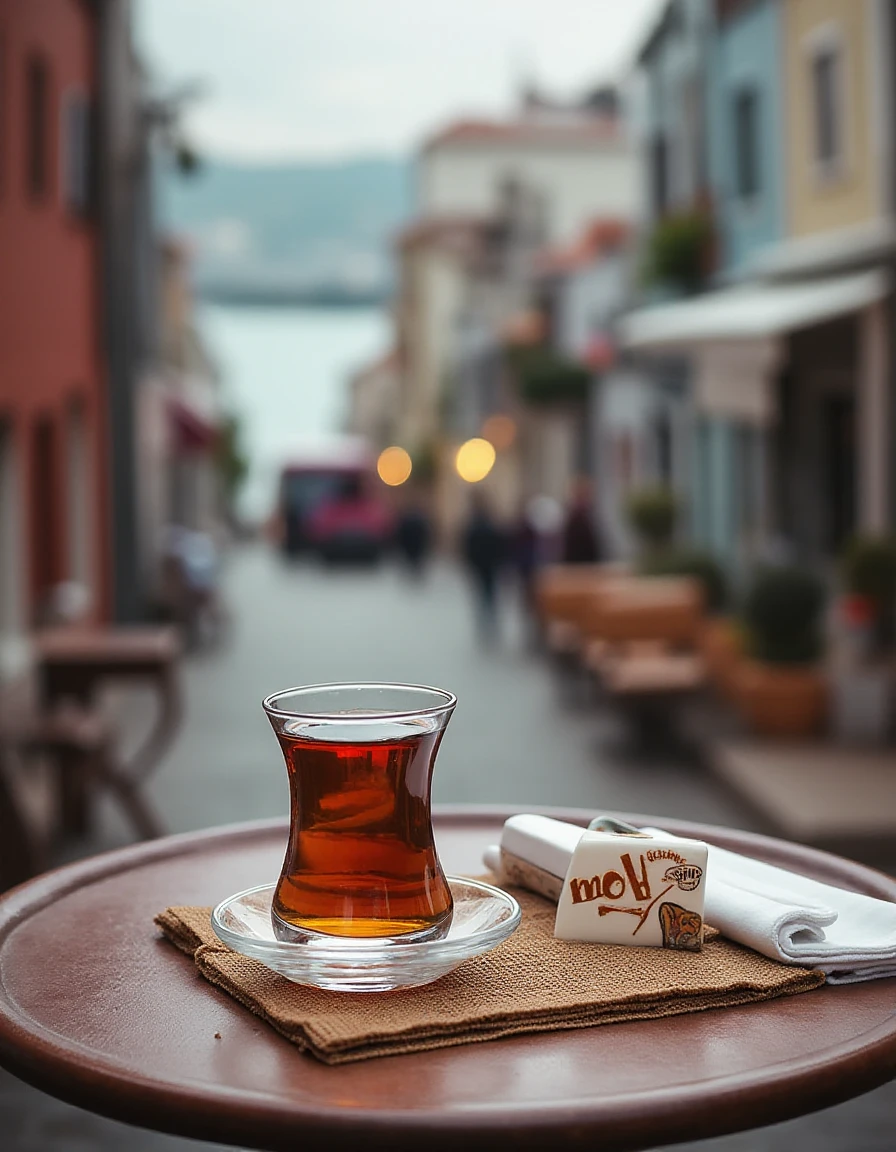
column 117, row 645
column 97, row 1009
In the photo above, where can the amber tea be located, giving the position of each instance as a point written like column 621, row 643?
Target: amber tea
column 361, row 861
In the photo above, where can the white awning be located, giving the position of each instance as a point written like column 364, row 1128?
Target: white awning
column 760, row 310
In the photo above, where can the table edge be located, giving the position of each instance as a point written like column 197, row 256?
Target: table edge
column 786, row 1089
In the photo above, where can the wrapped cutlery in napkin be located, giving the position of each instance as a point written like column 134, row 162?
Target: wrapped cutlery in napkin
column 778, row 913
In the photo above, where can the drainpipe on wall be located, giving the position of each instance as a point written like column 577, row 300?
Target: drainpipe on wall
column 882, row 52
column 118, row 138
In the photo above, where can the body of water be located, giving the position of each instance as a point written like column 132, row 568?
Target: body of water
column 285, row 373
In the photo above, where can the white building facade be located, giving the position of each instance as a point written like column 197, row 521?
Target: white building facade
column 581, row 165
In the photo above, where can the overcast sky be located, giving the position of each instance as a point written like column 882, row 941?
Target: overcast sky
column 323, row 78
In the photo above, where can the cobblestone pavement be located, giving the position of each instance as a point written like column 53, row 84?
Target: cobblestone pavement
column 522, row 734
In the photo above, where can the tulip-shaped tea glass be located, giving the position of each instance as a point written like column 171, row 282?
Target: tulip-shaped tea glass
column 361, row 860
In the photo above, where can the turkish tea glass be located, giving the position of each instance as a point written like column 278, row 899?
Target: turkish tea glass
column 361, row 861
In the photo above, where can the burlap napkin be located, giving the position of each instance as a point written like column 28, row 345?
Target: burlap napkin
column 530, row 983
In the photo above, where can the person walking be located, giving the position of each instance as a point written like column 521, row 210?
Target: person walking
column 483, row 553
column 580, row 541
column 413, row 537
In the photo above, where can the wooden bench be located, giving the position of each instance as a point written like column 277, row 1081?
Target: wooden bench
column 563, row 595
column 639, row 646
column 637, row 608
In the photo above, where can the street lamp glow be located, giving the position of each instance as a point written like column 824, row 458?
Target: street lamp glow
column 474, row 460
column 394, row 466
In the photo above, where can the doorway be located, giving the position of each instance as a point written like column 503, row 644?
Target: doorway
column 840, row 471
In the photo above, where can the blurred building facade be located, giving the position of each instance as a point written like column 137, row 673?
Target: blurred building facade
column 179, row 416
column 735, row 342
column 492, row 196
column 575, row 158
column 433, row 255
column 786, row 349
column 672, row 126
column 128, row 287
column 54, row 426
column 90, row 321
column 624, row 429
column 374, row 399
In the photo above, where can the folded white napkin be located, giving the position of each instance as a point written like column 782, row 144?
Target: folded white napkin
column 781, row 914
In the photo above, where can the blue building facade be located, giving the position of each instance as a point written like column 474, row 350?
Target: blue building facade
column 673, row 63
column 745, row 129
column 745, row 126
column 790, row 373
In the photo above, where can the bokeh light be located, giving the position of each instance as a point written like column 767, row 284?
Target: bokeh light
column 474, row 460
column 394, row 466
column 499, row 430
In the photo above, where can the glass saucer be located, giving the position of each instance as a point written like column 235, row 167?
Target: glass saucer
column 483, row 917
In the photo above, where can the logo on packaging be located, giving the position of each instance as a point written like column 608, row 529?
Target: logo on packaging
column 680, row 927
column 686, row 876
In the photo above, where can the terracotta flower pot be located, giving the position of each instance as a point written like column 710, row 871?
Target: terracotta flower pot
column 720, row 641
column 781, row 700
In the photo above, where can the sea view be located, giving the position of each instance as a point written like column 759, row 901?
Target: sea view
column 284, row 372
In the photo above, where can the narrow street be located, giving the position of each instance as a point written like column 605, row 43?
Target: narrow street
column 522, row 735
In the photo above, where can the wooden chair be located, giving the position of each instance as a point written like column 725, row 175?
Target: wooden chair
column 43, row 752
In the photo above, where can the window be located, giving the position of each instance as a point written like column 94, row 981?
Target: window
column 37, row 143
column 659, row 175
column 746, row 143
column 663, row 442
column 692, row 106
column 826, row 88
column 77, row 145
column 46, row 567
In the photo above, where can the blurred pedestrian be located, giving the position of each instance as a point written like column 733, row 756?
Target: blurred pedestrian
column 483, row 553
column 580, row 543
column 527, row 554
column 413, row 537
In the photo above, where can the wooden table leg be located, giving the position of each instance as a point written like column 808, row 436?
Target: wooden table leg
column 75, row 788
column 146, row 759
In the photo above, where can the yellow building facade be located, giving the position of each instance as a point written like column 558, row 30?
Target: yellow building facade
column 834, row 114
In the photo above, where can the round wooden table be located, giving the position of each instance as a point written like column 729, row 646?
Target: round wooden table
column 95, row 1008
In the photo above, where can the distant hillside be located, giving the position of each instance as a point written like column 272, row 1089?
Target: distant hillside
column 302, row 224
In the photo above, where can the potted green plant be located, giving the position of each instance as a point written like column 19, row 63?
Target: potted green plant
column 780, row 688
column 679, row 251
column 869, row 579
column 694, row 562
column 544, row 378
column 652, row 513
column 864, row 673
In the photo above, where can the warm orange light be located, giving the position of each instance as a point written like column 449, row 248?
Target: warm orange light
column 474, row 460
column 394, row 466
column 499, row 430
